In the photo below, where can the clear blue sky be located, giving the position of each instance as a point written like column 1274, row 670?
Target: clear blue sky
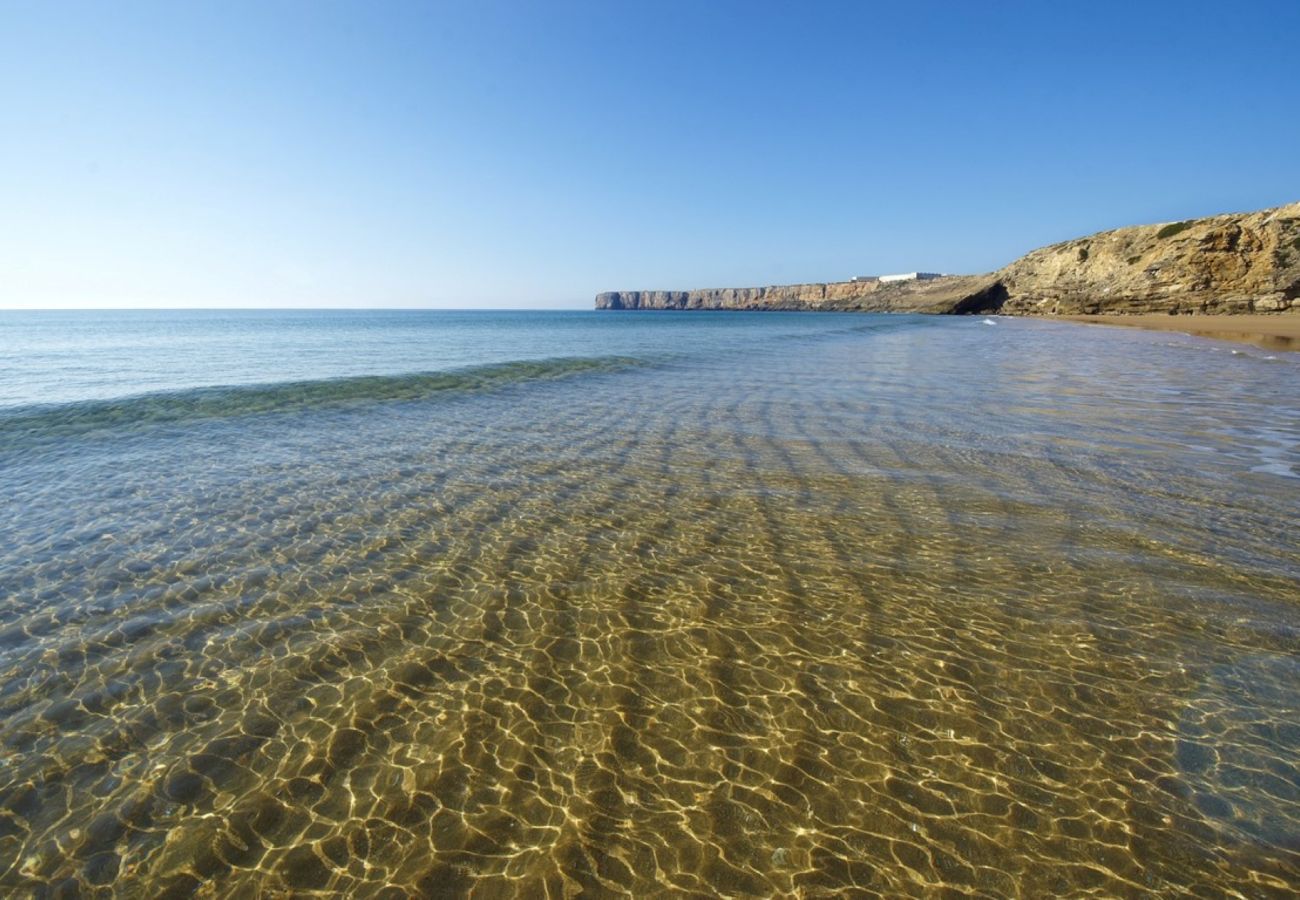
column 531, row 154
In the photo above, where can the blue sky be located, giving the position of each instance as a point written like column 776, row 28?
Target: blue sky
column 530, row 154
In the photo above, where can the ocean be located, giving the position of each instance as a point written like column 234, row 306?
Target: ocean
column 649, row 604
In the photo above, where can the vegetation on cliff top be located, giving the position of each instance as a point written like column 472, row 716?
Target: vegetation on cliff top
column 1173, row 229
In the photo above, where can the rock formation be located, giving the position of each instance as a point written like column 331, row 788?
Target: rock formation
column 939, row 295
column 1237, row 263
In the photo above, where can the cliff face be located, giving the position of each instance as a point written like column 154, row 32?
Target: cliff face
column 1246, row 262
column 939, row 295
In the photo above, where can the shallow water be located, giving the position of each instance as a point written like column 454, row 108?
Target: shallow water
column 856, row 604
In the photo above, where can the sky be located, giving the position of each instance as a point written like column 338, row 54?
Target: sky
column 530, row 154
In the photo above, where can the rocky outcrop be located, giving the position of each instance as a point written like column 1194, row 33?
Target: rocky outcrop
column 1246, row 262
column 1241, row 263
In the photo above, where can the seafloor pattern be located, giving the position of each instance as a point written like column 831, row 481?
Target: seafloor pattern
column 934, row 611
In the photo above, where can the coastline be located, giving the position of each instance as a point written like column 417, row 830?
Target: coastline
column 1225, row 266
column 1272, row 332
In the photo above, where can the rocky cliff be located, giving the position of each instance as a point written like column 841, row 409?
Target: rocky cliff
column 1248, row 262
column 940, row 295
column 1237, row 263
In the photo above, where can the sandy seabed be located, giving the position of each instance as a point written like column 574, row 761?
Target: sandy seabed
column 916, row 607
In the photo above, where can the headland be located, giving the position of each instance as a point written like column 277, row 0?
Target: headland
column 1241, row 268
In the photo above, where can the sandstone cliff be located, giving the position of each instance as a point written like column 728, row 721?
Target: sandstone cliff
column 1248, row 262
column 1244, row 262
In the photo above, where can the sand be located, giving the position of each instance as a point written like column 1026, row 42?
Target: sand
column 1276, row 332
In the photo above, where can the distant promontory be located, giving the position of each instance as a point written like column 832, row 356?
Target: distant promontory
column 1236, row 263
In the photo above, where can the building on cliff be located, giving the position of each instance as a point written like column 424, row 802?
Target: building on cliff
column 908, row 276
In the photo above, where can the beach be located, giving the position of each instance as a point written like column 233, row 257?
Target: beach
column 1273, row 332
column 753, row 604
column 649, row 450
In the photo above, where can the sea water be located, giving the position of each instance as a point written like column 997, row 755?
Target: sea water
column 414, row 603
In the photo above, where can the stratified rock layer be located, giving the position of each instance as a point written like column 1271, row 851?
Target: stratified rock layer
column 939, row 295
column 1237, row 263
column 1223, row 264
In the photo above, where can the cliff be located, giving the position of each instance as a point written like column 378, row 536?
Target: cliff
column 939, row 295
column 1239, row 263
column 1236, row 263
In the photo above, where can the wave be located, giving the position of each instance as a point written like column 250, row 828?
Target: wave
column 893, row 322
column 23, row 424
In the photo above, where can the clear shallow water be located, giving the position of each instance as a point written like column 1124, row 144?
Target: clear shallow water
column 716, row 604
column 59, row 357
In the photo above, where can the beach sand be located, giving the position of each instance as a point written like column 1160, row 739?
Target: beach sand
column 1275, row 332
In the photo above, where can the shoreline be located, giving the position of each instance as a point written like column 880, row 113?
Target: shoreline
column 1223, row 266
column 1271, row 332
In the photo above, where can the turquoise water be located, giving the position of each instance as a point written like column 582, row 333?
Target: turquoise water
column 648, row 604
column 59, row 357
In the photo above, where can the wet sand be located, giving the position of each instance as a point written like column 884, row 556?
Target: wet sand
column 1280, row 331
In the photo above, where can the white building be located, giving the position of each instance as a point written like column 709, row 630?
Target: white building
column 909, row 276
column 866, row 278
